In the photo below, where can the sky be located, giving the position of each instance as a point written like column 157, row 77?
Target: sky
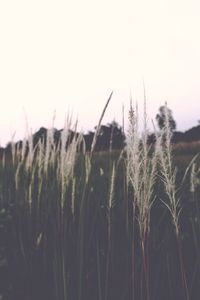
column 68, row 56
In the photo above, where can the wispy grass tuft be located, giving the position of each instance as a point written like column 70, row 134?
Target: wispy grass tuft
column 141, row 168
column 169, row 178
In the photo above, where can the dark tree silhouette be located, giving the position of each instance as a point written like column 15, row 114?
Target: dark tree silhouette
column 117, row 138
column 88, row 140
column 161, row 118
column 111, row 137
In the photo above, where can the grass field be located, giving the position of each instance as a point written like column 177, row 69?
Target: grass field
column 103, row 226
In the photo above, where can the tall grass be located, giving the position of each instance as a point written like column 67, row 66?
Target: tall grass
column 168, row 177
column 98, row 226
column 42, row 190
column 141, row 170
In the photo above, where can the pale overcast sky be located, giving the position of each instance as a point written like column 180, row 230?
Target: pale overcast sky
column 69, row 55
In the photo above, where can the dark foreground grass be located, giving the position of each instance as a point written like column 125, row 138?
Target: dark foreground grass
column 89, row 247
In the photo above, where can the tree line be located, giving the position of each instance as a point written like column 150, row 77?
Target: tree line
column 112, row 137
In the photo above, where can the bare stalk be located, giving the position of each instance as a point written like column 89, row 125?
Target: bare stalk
column 99, row 125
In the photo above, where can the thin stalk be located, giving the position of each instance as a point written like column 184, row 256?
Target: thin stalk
column 109, row 219
column 182, row 268
column 99, row 273
column 144, row 248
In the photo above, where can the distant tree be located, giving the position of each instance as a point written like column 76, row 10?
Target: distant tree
column 161, row 118
column 111, row 137
column 88, row 140
column 117, row 137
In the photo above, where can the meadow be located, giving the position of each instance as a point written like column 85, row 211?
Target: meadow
column 79, row 225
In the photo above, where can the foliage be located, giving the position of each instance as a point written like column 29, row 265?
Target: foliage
column 161, row 118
